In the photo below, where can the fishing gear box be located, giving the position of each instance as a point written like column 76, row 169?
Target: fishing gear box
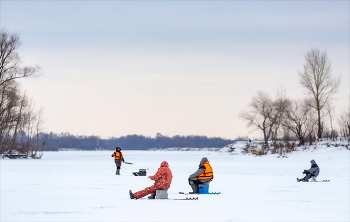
column 142, row 172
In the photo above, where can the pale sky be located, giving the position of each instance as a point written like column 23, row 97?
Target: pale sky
column 113, row 68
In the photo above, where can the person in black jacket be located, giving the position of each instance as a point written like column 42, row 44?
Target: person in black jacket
column 311, row 173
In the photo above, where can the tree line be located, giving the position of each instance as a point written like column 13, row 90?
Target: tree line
column 305, row 119
column 130, row 142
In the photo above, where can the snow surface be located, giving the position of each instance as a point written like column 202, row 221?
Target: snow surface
column 82, row 186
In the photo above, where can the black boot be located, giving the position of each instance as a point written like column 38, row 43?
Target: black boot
column 298, row 180
column 131, row 195
column 152, row 196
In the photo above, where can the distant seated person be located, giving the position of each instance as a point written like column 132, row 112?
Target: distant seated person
column 311, row 173
column 204, row 175
column 162, row 180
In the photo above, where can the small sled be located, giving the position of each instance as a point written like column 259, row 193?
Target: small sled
column 313, row 180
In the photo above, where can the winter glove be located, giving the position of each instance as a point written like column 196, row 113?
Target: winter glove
column 305, row 171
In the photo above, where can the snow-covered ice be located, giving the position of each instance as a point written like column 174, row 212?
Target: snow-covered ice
column 82, row 186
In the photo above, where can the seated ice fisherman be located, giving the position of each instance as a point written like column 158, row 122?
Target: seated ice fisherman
column 204, row 175
column 311, row 173
column 162, row 180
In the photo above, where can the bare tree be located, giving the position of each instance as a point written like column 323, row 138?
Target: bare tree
column 319, row 83
column 10, row 60
column 344, row 122
column 300, row 120
column 11, row 106
column 329, row 112
column 14, row 106
column 280, row 104
column 33, row 126
column 265, row 114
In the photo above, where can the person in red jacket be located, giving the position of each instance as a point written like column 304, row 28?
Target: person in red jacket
column 162, row 180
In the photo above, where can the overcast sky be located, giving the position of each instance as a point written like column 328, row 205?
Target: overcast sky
column 113, row 68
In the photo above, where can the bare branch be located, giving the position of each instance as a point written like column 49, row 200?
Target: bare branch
column 318, row 81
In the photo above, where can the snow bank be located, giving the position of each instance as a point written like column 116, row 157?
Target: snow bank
column 183, row 149
column 245, row 147
column 234, row 148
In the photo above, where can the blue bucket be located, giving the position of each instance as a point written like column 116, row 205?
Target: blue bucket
column 203, row 188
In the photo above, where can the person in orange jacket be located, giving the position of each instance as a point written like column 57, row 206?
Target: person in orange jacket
column 162, row 180
column 203, row 175
column 118, row 159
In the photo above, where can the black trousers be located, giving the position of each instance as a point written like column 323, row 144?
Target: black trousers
column 194, row 181
column 308, row 176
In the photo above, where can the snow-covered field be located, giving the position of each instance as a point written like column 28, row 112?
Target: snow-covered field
column 82, row 186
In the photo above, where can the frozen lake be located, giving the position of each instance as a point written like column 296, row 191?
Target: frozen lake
column 82, row 186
